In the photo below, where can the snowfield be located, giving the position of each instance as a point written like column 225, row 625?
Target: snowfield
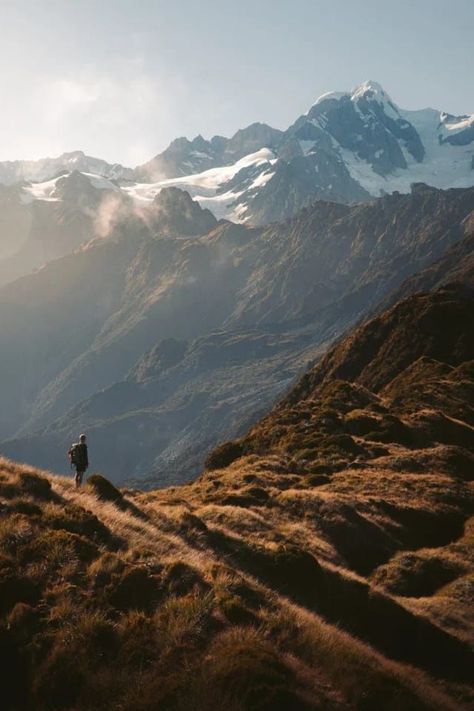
column 208, row 187
column 228, row 190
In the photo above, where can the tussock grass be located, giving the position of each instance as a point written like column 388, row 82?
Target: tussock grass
column 322, row 561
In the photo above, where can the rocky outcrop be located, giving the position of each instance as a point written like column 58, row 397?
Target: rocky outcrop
column 184, row 157
column 177, row 214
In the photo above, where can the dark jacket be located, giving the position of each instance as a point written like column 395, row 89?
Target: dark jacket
column 81, row 459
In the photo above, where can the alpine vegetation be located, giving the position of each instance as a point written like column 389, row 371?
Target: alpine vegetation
column 322, row 560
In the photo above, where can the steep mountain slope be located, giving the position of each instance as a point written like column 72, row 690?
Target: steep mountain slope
column 167, row 414
column 51, row 317
column 43, row 221
column 322, row 561
column 253, row 307
column 455, row 266
column 384, row 427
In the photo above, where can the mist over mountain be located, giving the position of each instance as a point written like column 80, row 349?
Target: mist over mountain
column 181, row 340
column 40, row 222
column 349, row 147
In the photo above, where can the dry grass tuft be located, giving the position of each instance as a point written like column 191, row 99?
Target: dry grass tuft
column 323, row 561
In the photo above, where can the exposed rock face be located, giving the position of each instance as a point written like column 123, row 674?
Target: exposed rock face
column 184, row 157
column 349, row 147
column 247, row 309
column 335, row 257
column 296, row 183
column 178, row 214
column 456, row 130
column 369, row 125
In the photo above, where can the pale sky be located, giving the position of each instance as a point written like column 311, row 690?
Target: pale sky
column 119, row 79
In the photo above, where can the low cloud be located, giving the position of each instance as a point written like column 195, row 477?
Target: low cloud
column 109, row 212
column 116, row 208
column 109, row 110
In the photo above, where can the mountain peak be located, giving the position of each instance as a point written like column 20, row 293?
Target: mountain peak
column 199, row 142
column 369, row 87
column 173, row 196
column 72, row 155
column 179, row 214
column 330, row 95
column 373, row 91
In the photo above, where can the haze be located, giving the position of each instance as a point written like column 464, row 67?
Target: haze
column 120, row 79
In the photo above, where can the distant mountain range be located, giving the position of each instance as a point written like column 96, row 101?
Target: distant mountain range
column 17, row 171
column 349, row 147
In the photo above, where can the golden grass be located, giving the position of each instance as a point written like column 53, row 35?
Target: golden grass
column 302, row 575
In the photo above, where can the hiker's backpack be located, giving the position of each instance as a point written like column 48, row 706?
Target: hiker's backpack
column 74, row 454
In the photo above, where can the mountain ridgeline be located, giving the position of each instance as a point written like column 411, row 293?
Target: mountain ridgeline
column 322, row 561
column 162, row 342
column 350, row 147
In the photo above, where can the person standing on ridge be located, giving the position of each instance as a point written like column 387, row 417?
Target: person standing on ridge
column 79, row 458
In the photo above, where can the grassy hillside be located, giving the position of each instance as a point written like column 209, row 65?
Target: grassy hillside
column 323, row 561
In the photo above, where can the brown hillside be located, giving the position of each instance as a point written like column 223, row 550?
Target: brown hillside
column 327, row 564
column 438, row 325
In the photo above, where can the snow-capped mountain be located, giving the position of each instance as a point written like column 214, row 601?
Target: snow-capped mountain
column 45, row 220
column 386, row 148
column 46, row 168
column 183, row 157
column 349, row 147
column 224, row 190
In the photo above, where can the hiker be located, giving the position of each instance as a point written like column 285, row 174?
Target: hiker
column 79, row 459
